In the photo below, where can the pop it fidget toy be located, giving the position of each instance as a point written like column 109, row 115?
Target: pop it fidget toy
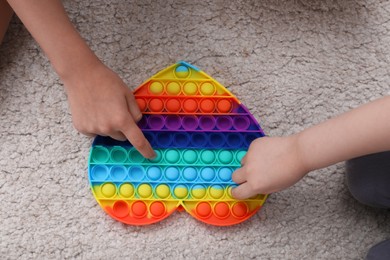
column 200, row 133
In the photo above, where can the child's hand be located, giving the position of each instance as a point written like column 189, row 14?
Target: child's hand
column 101, row 104
column 271, row 164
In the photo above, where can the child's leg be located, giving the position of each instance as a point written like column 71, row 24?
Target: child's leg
column 368, row 179
column 6, row 13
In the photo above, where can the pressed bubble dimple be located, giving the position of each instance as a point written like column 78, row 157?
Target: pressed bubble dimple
column 100, row 154
column 99, row 172
column 118, row 172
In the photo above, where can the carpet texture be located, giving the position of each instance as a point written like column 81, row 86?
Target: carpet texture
column 293, row 63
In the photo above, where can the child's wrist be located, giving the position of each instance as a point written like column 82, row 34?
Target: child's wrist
column 300, row 145
column 78, row 70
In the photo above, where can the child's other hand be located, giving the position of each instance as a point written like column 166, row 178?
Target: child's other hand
column 271, row 164
column 101, row 104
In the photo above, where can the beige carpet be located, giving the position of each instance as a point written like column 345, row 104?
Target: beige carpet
column 293, row 63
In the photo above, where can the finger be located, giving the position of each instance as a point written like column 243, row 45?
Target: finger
column 138, row 140
column 133, row 107
column 118, row 136
column 243, row 191
column 243, row 160
column 239, row 176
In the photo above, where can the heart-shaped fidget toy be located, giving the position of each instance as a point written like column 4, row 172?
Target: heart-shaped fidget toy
column 200, row 132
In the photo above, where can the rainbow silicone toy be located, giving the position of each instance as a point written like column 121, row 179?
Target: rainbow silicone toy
column 200, row 132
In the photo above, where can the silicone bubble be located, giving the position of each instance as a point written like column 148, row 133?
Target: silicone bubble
column 199, row 140
column 156, row 122
column 173, row 122
column 207, row 105
column 224, row 106
column 224, row 123
column 136, row 173
column 198, row 191
column 180, row 191
column 190, row 123
column 207, row 89
column 156, row 105
column 172, row 156
column 190, row 105
column 173, row 105
column 162, row 191
column 189, row 174
column 203, row 209
column 118, row 172
column 173, row 88
column 225, row 157
column 225, row 174
column 139, row 209
column 100, row 154
column 207, row 174
column 190, row 156
column 157, row 209
column 241, row 123
column 99, row 173
column 216, row 191
column 126, row 190
column 240, row 155
column 217, row 140
column 156, row 87
column 207, row 156
column 181, row 139
column 200, row 133
column 190, row 88
column 135, row 156
column 141, row 104
column 207, row 123
column 164, row 139
column 172, row 173
column 239, row 209
column 108, row 189
column 221, row 210
column 121, row 209
column 144, row 190
column 182, row 72
column 154, row 173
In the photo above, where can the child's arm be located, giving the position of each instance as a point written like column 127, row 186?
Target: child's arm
column 275, row 163
column 100, row 102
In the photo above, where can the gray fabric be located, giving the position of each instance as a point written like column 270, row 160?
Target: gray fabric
column 368, row 179
column 293, row 63
column 380, row 251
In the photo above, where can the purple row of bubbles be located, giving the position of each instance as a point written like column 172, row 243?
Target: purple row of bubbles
column 191, row 123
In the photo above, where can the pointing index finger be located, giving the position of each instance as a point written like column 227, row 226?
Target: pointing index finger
column 138, row 140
